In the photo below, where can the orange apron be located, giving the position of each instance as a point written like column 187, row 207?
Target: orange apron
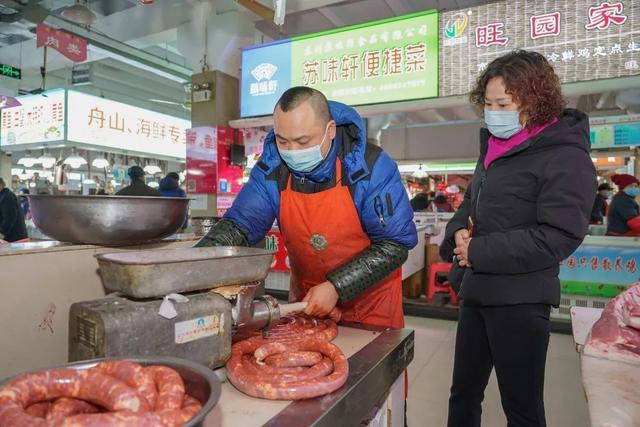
column 322, row 232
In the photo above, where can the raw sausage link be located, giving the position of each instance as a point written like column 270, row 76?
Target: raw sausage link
column 269, row 373
column 295, row 328
column 170, row 387
column 242, row 374
column 39, row 409
column 66, row 407
column 133, row 375
column 294, row 359
column 167, row 418
column 34, row 391
column 89, row 385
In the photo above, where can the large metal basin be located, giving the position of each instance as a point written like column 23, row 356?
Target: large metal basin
column 199, row 381
column 107, row 220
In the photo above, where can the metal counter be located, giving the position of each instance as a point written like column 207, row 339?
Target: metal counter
column 377, row 359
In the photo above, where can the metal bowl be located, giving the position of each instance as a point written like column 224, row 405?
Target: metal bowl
column 107, row 220
column 200, row 382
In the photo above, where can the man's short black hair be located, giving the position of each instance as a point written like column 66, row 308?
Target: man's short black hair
column 173, row 175
column 295, row 96
column 2, row 182
column 136, row 172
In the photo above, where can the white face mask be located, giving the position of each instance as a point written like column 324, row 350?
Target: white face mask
column 304, row 160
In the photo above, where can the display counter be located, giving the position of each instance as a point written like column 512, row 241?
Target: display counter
column 38, row 283
column 372, row 396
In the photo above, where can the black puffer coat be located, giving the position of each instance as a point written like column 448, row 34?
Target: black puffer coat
column 530, row 211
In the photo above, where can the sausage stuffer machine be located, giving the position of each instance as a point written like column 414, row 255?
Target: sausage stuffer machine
column 186, row 303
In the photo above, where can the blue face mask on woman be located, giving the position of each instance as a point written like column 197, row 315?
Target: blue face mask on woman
column 632, row 191
column 503, row 124
column 304, row 160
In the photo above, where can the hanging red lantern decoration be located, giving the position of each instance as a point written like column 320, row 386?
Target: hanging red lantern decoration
column 146, row 2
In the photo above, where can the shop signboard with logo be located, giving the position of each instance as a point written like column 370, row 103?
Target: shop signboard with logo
column 39, row 119
column 583, row 39
column 102, row 122
column 202, row 160
column 615, row 131
column 383, row 61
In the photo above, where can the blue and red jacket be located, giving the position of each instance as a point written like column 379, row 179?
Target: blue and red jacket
column 372, row 176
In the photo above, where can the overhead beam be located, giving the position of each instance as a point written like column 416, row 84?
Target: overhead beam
column 333, row 17
column 398, row 7
column 259, row 9
column 123, row 51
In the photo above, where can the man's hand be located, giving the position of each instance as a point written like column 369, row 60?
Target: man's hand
column 462, row 247
column 322, row 299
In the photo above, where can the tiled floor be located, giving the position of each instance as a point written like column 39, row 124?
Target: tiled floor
column 430, row 379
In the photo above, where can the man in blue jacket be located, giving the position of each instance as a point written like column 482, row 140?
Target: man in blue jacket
column 341, row 207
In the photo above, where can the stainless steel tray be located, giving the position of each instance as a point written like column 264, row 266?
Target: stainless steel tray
column 200, row 382
column 155, row 273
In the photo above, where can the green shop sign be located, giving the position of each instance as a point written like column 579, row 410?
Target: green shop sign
column 377, row 62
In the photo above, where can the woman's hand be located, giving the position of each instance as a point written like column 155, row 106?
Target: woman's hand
column 462, row 238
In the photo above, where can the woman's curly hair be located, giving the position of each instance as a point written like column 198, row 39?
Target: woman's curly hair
column 530, row 80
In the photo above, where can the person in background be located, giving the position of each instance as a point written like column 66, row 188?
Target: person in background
column 600, row 206
column 138, row 187
column 624, row 212
column 12, row 226
column 441, row 204
column 526, row 209
column 23, row 200
column 420, row 202
column 170, row 187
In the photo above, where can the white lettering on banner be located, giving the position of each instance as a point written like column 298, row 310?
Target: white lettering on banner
column 633, row 47
column 52, row 41
column 616, row 49
column 553, row 57
column 600, row 51
column 584, row 53
column 567, row 55
column 631, row 65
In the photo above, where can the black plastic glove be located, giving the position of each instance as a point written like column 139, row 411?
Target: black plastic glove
column 224, row 233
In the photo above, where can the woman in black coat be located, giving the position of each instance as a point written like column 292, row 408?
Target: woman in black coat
column 527, row 209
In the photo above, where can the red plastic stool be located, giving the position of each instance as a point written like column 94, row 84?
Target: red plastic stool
column 434, row 286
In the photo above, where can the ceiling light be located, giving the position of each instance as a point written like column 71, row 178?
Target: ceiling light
column 28, row 160
column 420, row 173
column 74, row 160
column 80, row 14
column 88, row 181
column 23, row 175
column 46, row 159
column 152, row 169
column 154, row 184
column 100, row 163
